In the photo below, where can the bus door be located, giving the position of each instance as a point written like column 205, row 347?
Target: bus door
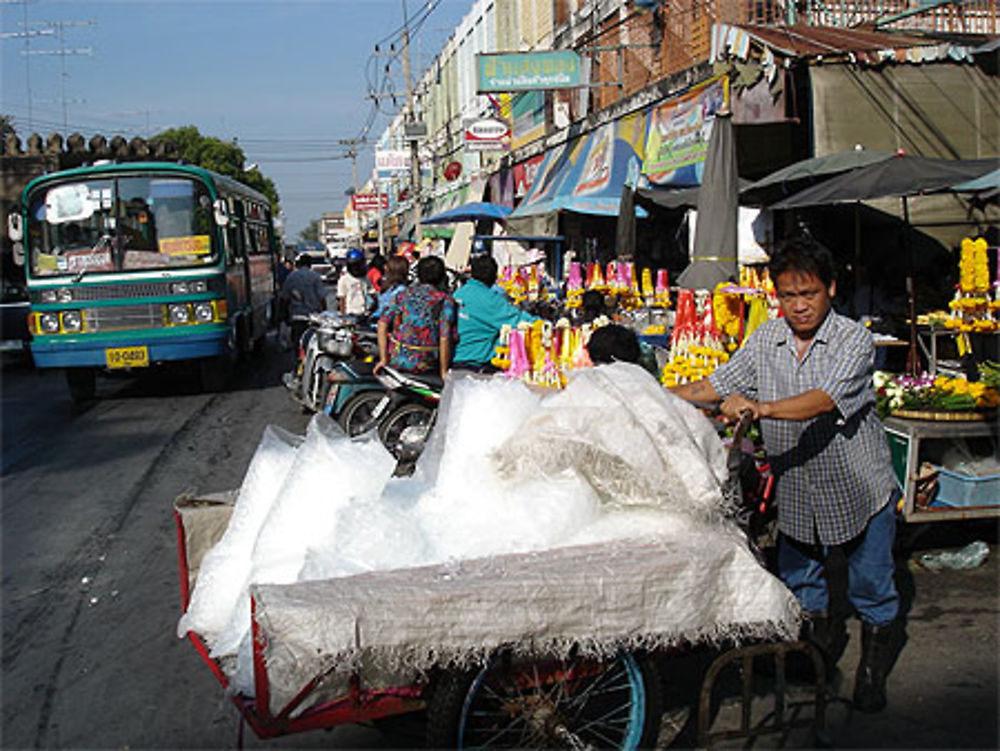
column 237, row 273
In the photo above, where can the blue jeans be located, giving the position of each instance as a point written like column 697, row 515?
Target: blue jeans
column 870, row 569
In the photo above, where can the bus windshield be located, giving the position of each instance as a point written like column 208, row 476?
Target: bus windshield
column 120, row 224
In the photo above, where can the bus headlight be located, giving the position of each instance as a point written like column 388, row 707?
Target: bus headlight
column 72, row 320
column 203, row 312
column 178, row 313
column 49, row 323
column 198, row 286
column 65, row 295
column 48, row 295
column 179, row 288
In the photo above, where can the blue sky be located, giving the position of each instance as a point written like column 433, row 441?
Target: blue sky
column 286, row 78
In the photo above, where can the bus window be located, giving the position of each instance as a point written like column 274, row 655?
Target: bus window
column 122, row 224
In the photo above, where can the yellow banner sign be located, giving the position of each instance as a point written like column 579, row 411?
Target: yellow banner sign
column 193, row 245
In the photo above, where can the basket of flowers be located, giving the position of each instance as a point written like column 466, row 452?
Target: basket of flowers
column 929, row 397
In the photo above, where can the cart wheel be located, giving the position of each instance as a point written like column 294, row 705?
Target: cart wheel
column 82, row 384
column 390, row 431
column 523, row 703
column 356, row 416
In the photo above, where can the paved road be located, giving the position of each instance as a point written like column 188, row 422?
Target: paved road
column 90, row 596
column 90, row 593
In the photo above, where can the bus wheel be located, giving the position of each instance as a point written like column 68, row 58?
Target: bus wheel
column 82, row 384
column 213, row 372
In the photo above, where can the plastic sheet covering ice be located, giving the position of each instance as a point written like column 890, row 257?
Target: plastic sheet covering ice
column 631, row 440
column 329, row 473
column 225, row 570
column 592, row 515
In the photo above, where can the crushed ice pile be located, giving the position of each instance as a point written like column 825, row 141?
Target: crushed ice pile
column 506, row 470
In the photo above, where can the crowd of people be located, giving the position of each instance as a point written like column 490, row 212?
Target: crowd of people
column 424, row 326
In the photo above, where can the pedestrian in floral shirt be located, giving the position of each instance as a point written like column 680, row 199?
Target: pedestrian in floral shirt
column 416, row 330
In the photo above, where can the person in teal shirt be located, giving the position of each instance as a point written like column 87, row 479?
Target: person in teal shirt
column 481, row 313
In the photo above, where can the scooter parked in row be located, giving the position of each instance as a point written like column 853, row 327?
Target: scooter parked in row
column 403, row 414
column 330, row 341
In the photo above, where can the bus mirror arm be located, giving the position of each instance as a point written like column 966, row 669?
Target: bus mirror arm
column 15, row 226
column 221, row 212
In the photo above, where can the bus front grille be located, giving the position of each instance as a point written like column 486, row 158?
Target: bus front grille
column 121, row 317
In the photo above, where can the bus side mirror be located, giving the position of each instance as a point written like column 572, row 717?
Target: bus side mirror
column 15, row 227
column 221, row 212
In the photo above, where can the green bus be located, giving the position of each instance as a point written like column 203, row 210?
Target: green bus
column 130, row 265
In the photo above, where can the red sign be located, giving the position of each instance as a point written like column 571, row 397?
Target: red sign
column 370, row 201
column 452, row 171
column 524, row 175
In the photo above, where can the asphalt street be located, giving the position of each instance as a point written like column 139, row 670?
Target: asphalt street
column 90, row 589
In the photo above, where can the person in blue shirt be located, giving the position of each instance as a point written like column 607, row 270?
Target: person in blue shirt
column 397, row 273
column 482, row 312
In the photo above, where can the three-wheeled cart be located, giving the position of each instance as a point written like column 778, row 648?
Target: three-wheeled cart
column 503, row 698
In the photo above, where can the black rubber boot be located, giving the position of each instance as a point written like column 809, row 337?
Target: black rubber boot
column 869, row 683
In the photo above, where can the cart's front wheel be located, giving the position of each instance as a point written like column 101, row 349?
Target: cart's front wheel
column 569, row 703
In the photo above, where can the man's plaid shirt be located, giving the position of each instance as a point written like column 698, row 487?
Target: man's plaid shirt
column 834, row 471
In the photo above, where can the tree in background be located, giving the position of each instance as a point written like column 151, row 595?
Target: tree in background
column 6, row 125
column 311, row 233
column 224, row 157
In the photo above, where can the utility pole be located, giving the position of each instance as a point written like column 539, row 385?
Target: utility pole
column 352, row 154
column 411, row 117
column 57, row 28
column 26, row 35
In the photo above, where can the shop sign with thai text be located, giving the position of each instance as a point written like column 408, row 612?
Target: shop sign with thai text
column 522, row 71
column 370, row 201
column 392, row 162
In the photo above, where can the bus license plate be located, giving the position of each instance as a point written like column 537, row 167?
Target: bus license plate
column 127, row 357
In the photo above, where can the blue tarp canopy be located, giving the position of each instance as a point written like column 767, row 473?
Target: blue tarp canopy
column 988, row 184
column 585, row 175
column 469, row 212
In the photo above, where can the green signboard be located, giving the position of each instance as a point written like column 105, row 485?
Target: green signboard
column 523, row 71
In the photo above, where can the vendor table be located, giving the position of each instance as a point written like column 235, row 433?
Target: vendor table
column 985, row 345
column 906, row 437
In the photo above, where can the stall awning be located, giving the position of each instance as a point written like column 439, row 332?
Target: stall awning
column 586, row 175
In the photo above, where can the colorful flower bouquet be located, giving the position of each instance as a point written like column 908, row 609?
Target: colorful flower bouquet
column 932, row 394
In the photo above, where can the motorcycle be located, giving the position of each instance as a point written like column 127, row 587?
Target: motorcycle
column 402, row 415
column 329, row 339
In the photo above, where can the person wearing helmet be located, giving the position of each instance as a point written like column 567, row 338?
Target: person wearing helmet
column 353, row 286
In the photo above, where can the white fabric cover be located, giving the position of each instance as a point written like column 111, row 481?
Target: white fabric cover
column 602, row 597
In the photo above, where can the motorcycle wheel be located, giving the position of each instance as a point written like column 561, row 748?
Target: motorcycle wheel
column 391, row 428
column 545, row 703
column 356, row 416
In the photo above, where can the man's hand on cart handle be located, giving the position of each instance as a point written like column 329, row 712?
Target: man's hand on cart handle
column 734, row 405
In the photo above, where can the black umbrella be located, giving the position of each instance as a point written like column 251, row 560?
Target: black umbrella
column 795, row 177
column 713, row 258
column 625, row 228
column 899, row 176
